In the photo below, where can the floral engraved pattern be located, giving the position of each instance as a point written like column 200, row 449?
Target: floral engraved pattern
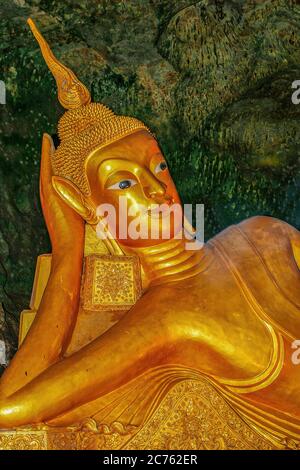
column 193, row 415
column 110, row 282
column 22, row 440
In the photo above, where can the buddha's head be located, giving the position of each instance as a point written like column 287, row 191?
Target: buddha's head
column 108, row 160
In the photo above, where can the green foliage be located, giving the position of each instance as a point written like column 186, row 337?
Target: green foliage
column 231, row 193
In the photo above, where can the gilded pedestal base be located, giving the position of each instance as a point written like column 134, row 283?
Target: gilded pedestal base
column 192, row 415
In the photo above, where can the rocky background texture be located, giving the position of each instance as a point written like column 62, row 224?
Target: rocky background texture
column 212, row 78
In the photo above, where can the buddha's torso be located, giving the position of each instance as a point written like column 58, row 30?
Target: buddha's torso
column 232, row 323
column 245, row 294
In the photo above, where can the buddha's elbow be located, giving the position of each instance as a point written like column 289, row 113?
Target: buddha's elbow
column 12, row 414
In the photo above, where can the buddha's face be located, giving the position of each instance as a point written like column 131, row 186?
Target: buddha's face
column 132, row 175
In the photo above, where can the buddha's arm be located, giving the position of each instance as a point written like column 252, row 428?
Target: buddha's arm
column 139, row 341
column 51, row 330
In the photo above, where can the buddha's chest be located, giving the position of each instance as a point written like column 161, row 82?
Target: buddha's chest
column 232, row 313
column 222, row 330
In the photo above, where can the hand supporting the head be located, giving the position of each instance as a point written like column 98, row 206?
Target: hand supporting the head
column 64, row 224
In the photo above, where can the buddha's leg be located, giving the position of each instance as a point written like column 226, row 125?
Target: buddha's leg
column 139, row 341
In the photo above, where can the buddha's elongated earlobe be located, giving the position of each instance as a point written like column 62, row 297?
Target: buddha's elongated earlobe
column 75, row 199
column 71, row 92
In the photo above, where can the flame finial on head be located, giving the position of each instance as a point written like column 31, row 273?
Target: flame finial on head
column 71, row 92
column 85, row 126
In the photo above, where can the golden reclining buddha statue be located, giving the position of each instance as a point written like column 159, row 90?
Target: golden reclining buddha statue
column 141, row 342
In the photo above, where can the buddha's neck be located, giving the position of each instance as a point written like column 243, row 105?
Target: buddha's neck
column 169, row 261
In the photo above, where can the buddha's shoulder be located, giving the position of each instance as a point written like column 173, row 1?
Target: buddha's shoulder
column 261, row 234
column 261, row 229
column 263, row 255
column 268, row 226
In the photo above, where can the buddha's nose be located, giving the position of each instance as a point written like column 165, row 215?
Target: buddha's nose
column 153, row 188
column 156, row 191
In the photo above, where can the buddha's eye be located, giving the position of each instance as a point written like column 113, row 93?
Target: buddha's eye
column 161, row 167
column 123, row 184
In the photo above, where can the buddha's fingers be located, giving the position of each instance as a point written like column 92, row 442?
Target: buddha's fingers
column 64, row 225
column 135, row 344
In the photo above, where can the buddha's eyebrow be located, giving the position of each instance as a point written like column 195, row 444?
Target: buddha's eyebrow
column 112, row 158
column 152, row 149
column 156, row 154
